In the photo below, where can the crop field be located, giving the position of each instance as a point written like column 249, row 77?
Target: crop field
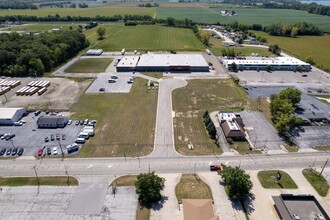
column 89, row 65
column 245, row 16
column 125, row 122
column 216, row 46
column 189, row 104
column 316, row 47
column 35, row 27
column 145, row 37
column 83, row 12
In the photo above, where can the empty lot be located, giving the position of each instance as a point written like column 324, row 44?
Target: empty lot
column 311, row 136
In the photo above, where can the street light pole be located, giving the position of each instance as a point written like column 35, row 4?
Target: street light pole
column 35, row 171
column 61, row 150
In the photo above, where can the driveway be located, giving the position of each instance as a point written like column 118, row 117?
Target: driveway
column 262, row 133
column 223, row 206
column 164, row 143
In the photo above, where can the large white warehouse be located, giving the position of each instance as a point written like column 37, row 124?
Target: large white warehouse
column 10, row 115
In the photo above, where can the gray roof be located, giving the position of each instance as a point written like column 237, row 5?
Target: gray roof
column 51, row 120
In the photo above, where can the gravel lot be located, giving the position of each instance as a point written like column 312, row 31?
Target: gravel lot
column 310, row 136
column 32, row 140
column 262, row 133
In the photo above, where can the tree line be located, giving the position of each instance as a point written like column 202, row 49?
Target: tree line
column 17, row 5
column 300, row 28
column 30, row 55
column 312, row 8
column 54, row 4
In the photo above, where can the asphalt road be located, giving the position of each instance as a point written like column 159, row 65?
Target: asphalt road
column 164, row 143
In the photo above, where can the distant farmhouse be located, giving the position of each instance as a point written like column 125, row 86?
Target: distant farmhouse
column 227, row 13
column 232, row 125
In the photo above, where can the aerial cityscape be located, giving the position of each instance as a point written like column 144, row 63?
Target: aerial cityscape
column 165, row 110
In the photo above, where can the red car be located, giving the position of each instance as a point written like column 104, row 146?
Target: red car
column 58, row 136
column 214, row 167
column 40, row 151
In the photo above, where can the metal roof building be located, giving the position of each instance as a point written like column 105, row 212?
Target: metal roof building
column 127, row 63
column 10, row 115
column 261, row 63
column 52, row 121
column 172, row 63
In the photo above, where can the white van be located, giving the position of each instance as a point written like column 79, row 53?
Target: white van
column 80, row 140
column 90, row 132
column 83, row 135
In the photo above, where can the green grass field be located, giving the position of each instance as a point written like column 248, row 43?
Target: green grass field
column 83, row 12
column 35, row 27
column 192, row 187
column 32, row 181
column 315, row 46
column 216, row 46
column 145, row 37
column 268, row 181
column 125, row 122
column 245, row 15
column 318, row 182
column 89, row 65
column 189, row 104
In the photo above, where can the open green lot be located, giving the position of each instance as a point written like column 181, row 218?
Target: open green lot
column 249, row 16
column 33, row 181
column 89, row 65
column 243, row 147
column 189, row 104
column 145, row 37
column 125, row 122
column 192, row 187
column 304, row 46
column 318, row 182
column 268, row 180
column 216, row 46
column 35, row 27
column 83, row 12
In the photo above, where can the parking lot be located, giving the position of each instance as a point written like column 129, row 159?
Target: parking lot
column 31, row 138
column 119, row 86
column 262, row 133
column 310, row 136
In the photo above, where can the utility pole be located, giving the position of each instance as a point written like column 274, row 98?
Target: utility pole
column 324, row 166
column 35, row 170
column 61, row 150
column 149, row 168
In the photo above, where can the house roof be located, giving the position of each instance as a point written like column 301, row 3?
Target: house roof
column 198, row 209
column 232, row 131
column 6, row 113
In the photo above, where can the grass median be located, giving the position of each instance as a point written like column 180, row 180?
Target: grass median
column 33, row 181
column 192, row 187
column 317, row 181
column 268, row 180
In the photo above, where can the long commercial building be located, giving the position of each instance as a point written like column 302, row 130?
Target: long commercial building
column 10, row 115
column 163, row 63
column 262, row 63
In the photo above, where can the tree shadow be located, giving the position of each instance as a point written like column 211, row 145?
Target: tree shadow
column 248, row 202
column 158, row 205
column 280, row 185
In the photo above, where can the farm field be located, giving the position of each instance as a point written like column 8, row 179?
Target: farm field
column 304, row 46
column 189, row 104
column 125, row 122
column 89, row 65
column 217, row 46
column 83, row 12
column 245, row 15
column 145, row 37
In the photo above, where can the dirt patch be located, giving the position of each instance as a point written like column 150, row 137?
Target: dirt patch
column 61, row 95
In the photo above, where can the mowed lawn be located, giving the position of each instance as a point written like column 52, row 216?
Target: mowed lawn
column 248, row 16
column 189, row 104
column 192, row 187
column 89, row 65
column 33, row 27
column 83, row 12
column 125, row 122
column 316, row 47
column 145, row 37
column 43, row 180
column 268, row 180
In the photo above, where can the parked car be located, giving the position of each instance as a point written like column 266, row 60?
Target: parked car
column 63, row 136
column 214, row 167
column 77, row 122
column 102, row 89
column 46, row 139
column 304, row 75
column 52, row 137
column 55, row 150
column 14, row 152
column 86, row 121
column 10, row 136
column 49, row 151
column 111, row 81
column 40, row 151
column 20, row 152
column 114, row 77
column 69, row 122
column 8, row 151
column 37, row 113
column 81, row 122
column 58, row 136
column 2, row 151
